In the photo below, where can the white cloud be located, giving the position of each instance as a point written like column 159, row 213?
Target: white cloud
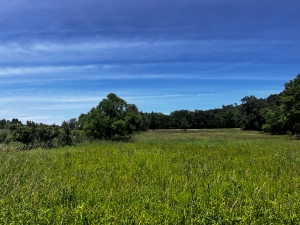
column 102, row 72
column 8, row 71
column 100, row 46
column 48, row 99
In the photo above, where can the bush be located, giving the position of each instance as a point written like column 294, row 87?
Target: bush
column 42, row 135
column 3, row 135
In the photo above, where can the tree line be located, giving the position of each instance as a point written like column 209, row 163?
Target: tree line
column 33, row 134
column 276, row 114
column 115, row 119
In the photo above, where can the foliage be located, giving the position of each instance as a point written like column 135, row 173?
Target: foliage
column 40, row 135
column 153, row 121
column 227, row 117
column 72, row 123
column 231, row 115
column 282, row 114
column 112, row 118
column 65, row 134
column 176, row 118
column 4, row 124
column 273, row 116
column 46, row 135
column 15, row 121
column 184, row 124
column 23, row 133
column 3, row 135
column 276, row 114
column 251, row 118
column 146, row 122
column 78, row 136
column 290, row 100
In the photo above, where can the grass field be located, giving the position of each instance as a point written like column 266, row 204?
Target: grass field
column 223, row 176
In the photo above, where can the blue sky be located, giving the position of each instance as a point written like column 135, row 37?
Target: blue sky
column 59, row 59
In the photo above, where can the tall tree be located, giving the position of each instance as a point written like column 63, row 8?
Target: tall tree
column 153, row 121
column 72, row 123
column 251, row 118
column 64, row 137
column 4, row 124
column 290, row 103
column 272, row 115
column 15, row 121
column 112, row 118
column 23, row 133
column 177, row 116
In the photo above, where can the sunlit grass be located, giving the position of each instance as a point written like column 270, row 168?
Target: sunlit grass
column 163, row 177
column 202, row 135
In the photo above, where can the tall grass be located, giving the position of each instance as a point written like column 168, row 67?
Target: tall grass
column 163, row 177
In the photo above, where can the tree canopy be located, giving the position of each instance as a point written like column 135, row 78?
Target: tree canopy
column 112, row 118
column 290, row 105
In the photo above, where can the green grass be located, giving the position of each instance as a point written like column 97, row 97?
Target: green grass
column 222, row 176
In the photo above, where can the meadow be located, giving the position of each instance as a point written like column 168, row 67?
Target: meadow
column 218, row 176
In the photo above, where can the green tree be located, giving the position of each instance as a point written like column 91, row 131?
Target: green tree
column 251, row 117
column 231, row 115
column 274, row 123
column 290, row 105
column 46, row 134
column 145, row 124
column 3, row 135
column 4, row 124
column 177, row 116
column 153, row 121
column 82, row 119
column 25, row 134
column 184, row 124
column 15, row 121
column 272, row 115
column 64, row 136
column 112, row 118
column 72, row 123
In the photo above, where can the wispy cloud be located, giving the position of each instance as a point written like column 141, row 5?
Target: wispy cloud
column 42, row 70
column 47, row 99
column 90, row 52
column 216, row 45
column 185, row 71
column 160, row 55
